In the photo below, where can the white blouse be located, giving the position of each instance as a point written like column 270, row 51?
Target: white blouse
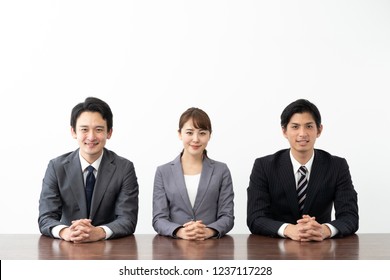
column 192, row 183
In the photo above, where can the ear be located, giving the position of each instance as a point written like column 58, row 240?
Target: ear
column 179, row 135
column 319, row 131
column 284, row 131
column 74, row 134
column 109, row 134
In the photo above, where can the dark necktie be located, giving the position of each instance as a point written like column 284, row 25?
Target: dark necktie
column 89, row 185
column 302, row 187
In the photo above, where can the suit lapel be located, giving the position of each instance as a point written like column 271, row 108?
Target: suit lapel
column 73, row 171
column 106, row 171
column 287, row 180
column 315, row 179
column 180, row 184
column 204, row 182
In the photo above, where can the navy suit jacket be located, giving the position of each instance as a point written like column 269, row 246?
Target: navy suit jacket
column 115, row 197
column 272, row 197
column 213, row 204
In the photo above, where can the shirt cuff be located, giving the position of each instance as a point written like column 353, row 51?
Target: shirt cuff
column 108, row 231
column 55, row 231
column 333, row 230
column 281, row 230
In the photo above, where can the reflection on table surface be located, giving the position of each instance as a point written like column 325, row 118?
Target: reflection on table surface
column 229, row 247
column 101, row 250
column 179, row 249
column 287, row 249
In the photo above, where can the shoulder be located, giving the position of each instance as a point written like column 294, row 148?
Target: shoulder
column 322, row 155
column 215, row 163
column 64, row 158
column 275, row 157
column 325, row 159
column 113, row 157
column 169, row 164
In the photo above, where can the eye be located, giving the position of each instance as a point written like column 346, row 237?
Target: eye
column 310, row 126
column 189, row 132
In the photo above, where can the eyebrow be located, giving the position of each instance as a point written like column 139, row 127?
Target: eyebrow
column 293, row 123
column 98, row 126
column 200, row 129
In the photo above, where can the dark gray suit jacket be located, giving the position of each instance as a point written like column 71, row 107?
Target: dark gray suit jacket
column 213, row 204
column 272, row 197
column 114, row 201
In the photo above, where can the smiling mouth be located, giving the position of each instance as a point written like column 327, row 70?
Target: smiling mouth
column 92, row 144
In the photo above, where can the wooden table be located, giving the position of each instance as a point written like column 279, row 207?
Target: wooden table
column 230, row 247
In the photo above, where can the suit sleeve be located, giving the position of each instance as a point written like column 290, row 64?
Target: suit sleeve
column 161, row 213
column 126, row 207
column 259, row 220
column 225, row 211
column 345, row 202
column 50, row 203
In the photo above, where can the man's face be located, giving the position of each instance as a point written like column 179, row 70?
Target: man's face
column 91, row 134
column 302, row 132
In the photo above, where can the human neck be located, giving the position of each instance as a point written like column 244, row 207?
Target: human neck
column 192, row 165
column 302, row 157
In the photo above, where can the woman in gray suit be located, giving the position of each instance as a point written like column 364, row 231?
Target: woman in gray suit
column 193, row 194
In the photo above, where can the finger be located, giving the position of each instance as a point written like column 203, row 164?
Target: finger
column 303, row 220
column 188, row 223
column 197, row 226
column 189, row 231
column 80, row 239
column 86, row 222
column 310, row 235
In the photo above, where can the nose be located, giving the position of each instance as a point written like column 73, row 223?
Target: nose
column 302, row 131
column 195, row 137
column 91, row 135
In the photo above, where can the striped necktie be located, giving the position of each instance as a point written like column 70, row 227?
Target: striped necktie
column 302, row 187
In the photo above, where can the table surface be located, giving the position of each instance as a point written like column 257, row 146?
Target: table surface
column 230, row 247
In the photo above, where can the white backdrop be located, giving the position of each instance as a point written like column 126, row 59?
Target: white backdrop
column 240, row 61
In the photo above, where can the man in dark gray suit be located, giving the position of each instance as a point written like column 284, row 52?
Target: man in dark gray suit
column 64, row 210
column 291, row 193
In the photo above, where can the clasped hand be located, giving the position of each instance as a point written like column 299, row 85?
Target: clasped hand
column 307, row 229
column 82, row 231
column 195, row 230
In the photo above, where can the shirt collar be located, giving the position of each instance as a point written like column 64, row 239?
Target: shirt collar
column 95, row 164
column 296, row 164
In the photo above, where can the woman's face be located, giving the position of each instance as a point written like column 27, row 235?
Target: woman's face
column 194, row 140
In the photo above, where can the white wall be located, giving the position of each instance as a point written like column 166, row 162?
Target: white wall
column 240, row 61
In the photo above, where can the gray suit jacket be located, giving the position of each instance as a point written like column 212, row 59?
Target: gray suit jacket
column 272, row 197
column 213, row 204
column 114, row 201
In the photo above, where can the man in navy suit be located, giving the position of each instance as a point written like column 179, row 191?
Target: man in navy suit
column 274, row 208
column 63, row 209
